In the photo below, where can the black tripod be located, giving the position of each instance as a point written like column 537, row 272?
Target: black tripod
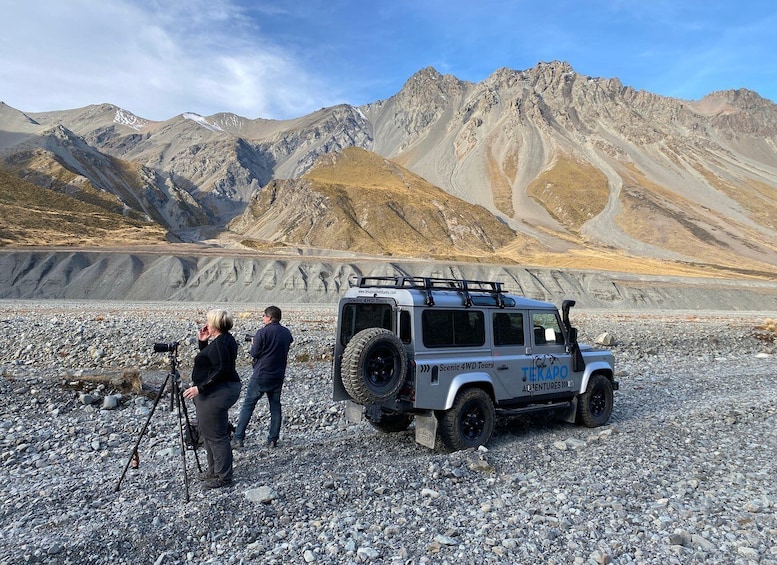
column 174, row 380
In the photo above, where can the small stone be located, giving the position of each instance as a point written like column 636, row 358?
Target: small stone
column 367, row 553
column 263, row 494
column 481, row 466
column 748, row 552
column 605, row 338
column 110, row 402
column 86, row 398
column 600, row 557
column 701, row 542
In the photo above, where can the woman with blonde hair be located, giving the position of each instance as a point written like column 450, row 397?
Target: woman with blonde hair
column 216, row 387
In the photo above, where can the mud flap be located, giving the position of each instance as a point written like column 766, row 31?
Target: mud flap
column 569, row 415
column 353, row 412
column 426, row 429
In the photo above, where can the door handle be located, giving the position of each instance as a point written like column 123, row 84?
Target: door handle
column 502, row 368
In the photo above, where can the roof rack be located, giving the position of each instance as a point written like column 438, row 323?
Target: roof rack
column 430, row 284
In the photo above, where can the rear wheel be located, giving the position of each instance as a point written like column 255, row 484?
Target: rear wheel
column 595, row 404
column 374, row 366
column 469, row 422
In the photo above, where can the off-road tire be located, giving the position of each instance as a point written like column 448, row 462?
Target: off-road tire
column 469, row 422
column 594, row 406
column 374, row 366
column 391, row 423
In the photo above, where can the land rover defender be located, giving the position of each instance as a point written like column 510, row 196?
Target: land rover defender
column 450, row 353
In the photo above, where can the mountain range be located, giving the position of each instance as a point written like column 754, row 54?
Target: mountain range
column 543, row 166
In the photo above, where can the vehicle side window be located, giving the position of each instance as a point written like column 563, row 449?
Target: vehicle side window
column 508, row 328
column 404, row 327
column 453, row 328
column 547, row 330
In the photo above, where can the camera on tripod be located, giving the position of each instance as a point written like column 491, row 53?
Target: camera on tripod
column 166, row 347
column 188, row 431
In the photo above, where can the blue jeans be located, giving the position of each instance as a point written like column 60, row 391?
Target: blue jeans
column 258, row 387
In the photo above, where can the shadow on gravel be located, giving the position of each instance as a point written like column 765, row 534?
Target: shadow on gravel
column 527, row 427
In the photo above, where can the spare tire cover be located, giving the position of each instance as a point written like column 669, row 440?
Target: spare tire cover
column 374, row 366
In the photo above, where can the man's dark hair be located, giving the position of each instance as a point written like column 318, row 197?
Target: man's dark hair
column 274, row 313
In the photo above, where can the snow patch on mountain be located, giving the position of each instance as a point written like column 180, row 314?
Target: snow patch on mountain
column 202, row 121
column 129, row 119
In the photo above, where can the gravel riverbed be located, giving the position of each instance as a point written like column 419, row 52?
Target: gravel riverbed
column 683, row 473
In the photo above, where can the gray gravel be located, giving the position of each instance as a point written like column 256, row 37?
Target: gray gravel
column 684, row 472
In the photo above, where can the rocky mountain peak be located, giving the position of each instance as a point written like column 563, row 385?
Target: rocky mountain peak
column 429, row 87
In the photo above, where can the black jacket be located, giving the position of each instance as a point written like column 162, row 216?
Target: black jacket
column 215, row 363
column 270, row 351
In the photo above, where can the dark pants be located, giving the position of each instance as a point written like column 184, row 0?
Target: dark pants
column 213, row 417
column 258, row 387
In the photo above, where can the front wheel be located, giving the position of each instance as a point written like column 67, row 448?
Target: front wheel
column 595, row 404
column 469, row 422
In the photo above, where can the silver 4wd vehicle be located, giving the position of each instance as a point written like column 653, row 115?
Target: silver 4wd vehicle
column 449, row 353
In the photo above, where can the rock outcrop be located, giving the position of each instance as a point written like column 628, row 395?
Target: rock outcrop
column 82, row 275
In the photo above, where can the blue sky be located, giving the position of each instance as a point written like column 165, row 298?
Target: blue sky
column 283, row 59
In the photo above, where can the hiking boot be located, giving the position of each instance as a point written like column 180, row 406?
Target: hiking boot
column 272, row 443
column 237, row 444
column 217, row 483
column 205, row 476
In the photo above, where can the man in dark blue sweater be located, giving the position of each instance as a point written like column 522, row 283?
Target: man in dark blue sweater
column 270, row 352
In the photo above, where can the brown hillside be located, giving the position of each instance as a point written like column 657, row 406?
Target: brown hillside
column 652, row 213
column 358, row 201
column 571, row 191
column 31, row 215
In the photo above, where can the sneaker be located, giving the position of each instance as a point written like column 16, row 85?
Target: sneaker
column 237, row 444
column 272, row 443
column 217, row 483
column 205, row 476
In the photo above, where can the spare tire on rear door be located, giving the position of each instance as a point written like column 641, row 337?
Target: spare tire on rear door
column 374, row 366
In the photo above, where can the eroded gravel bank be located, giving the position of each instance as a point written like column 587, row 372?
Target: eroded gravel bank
column 683, row 473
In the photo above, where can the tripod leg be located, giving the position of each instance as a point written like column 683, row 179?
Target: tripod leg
column 180, row 403
column 191, row 434
column 134, row 451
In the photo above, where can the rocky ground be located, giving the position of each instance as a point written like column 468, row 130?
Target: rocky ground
column 683, row 473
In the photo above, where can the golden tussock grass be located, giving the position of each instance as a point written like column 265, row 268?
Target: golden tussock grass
column 31, row 215
column 571, row 190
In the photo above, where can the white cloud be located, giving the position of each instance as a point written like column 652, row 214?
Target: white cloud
column 155, row 59
column 278, row 59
